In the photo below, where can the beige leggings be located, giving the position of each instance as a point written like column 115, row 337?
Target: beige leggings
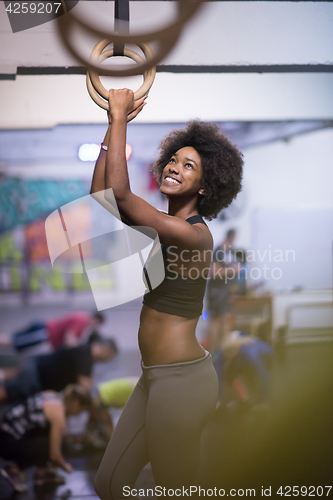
column 162, row 424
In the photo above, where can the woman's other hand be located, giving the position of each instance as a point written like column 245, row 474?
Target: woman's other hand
column 138, row 106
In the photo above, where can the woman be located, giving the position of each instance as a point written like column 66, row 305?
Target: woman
column 200, row 172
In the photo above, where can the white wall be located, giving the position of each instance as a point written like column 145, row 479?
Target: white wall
column 290, row 175
column 295, row 178
column 45, row 101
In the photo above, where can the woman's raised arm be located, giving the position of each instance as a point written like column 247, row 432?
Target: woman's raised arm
column 98, row 181
column 171, row 230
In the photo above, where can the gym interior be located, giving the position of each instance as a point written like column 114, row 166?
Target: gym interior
column 262, row 71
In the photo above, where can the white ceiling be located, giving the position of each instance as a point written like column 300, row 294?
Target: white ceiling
column 223, row 33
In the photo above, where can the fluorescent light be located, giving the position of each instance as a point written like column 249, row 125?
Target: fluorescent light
column 89, row 152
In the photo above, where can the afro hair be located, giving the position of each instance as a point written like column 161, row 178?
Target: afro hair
column 221, row 161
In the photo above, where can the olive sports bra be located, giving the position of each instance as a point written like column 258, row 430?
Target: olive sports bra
column 177, row 295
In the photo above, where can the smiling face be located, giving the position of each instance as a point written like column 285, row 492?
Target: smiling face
column 183, row 174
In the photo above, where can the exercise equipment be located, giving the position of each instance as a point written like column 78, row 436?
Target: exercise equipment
column 98, row 92
column 166, row 38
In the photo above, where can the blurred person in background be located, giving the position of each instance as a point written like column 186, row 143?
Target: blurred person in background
column 53, row 371
column 66, row 331
column 223, row 272
column 31, row 433
column 246, row 363
column 106, row 396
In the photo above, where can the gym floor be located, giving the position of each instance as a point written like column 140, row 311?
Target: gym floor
column 290, row 444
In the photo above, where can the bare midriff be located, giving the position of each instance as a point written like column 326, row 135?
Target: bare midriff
column 165, row 338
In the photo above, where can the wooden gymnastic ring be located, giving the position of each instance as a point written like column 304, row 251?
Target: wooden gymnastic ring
column 100, row 56
column 165, row 47
column 95, row 97
column 97, row 90
column 167, row 38
column 187, row 9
